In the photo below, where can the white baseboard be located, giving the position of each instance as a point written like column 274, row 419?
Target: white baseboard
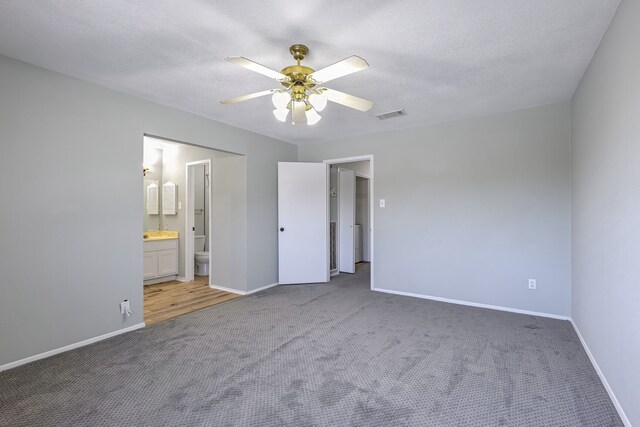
column 612, row 396
column 235, row 291
column 473, row 304
column 160, row 280
column 69, row 347
column 253, row 291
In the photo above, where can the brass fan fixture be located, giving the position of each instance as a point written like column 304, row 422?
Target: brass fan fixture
column 301, row 94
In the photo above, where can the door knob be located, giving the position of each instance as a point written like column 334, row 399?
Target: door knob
column 281, row 228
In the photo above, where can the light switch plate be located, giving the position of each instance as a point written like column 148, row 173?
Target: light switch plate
column 383, row 203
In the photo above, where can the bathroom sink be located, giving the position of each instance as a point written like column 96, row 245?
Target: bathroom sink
column 160, row 235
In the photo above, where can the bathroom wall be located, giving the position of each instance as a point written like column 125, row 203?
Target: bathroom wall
column 152, row 160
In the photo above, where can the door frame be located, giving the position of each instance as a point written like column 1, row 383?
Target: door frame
column 189, row 253
column 338, row 222
column 365, row 157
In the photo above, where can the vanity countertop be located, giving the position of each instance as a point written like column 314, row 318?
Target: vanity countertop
column 160, row 235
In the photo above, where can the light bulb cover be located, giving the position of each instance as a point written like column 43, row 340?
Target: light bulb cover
column 312, row 116
column 281, row 100
column 281, row 114
column 298, row 112
column 318, row 101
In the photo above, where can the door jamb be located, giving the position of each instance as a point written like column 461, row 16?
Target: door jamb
column 189, row 253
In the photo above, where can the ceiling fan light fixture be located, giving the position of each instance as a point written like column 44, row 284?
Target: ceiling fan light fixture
column 280, row 100
column 281, row 114
column 318, row 101
column 312, row 116
column 301, row 93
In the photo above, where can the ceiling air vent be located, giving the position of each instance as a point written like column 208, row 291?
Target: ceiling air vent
column 391, row 114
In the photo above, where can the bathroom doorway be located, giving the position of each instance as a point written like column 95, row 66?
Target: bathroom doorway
column 194, row 211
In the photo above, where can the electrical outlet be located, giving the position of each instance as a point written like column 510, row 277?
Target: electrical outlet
column 125, row 308
column 532, row 283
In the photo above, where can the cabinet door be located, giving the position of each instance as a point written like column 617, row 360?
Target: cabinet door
column 150, row 265
column 167, row 262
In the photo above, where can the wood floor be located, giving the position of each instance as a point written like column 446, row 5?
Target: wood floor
column 171, row 299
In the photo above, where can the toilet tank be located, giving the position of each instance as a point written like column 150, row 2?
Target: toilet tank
column 198, row 243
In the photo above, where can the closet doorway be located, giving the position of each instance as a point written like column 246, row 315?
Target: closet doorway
column 350, row 214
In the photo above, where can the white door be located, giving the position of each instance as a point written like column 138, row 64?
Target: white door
column 347, row 219
column 303, row 221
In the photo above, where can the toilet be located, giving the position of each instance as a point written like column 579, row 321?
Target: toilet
column 201, row 256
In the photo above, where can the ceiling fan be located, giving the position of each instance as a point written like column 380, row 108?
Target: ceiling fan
column 301, row 94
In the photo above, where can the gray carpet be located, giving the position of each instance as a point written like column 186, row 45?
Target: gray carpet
column 319, row 355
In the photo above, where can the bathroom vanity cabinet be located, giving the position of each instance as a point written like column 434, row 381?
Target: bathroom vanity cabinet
column 160, row 259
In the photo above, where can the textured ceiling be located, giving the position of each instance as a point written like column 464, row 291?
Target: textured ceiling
column 439, row 60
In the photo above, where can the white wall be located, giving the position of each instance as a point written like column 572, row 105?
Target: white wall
column 71, row 212
column 474, row 208
column 153, row 161
column 229, row 226
column 362, row 213
column 606, row 208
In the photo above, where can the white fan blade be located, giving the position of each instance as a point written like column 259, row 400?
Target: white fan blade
column 250, row 96
column 340, row 69
column 254, row 66
column 346, row 99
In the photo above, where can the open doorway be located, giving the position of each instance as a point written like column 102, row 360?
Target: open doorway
column 187, row 194
column 351, row 214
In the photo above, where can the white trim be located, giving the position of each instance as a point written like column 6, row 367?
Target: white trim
column 69, row 347
column 253, row 291
column 189, row 261
column 162, row 279
column 473, row 304
column 182, row 279
column 612, row 396
column 233, row 291
column 350, row 159
column 368, row 157
column 237, row 292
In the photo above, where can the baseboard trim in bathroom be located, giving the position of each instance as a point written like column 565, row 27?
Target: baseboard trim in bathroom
column 69, row 347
